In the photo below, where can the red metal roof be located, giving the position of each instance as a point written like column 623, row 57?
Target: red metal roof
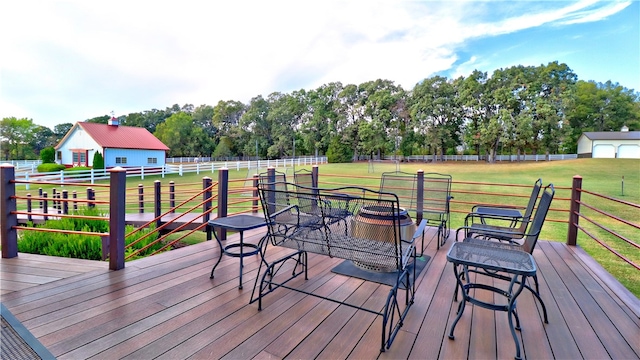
column 122, row 137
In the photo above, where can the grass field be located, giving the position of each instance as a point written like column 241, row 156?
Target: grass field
column 616, row 178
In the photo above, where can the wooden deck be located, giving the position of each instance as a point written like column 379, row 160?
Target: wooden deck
column 167, row 307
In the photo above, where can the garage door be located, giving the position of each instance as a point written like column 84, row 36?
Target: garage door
column 604, row 151
column 629, row 151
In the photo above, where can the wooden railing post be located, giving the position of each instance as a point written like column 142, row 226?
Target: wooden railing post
column 157, row 202
column 223, row 198
column 45, row 204
column 140, row 199
column 314, row 176
column 29, row 207
column 91, row 195
column 75, row 203
column 117, row 210
column 8, row 235
column 574, row 210
column 206, row 206
column 255, row 194
column 65, row 203
column 172, row 196
column 419, row 195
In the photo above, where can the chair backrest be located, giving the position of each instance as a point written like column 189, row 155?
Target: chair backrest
column 304, row 177
column 538, row 219
column 437, row 192
column 276, row 177
column 402, row 184
column 532, row 199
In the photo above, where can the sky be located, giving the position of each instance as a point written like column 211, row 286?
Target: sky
column 72, row 60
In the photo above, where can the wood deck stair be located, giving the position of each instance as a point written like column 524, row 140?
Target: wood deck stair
column 166, row 307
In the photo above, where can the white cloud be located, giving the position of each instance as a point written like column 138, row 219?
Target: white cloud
column 72, row 60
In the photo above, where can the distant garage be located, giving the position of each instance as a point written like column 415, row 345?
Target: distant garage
column 623, row 144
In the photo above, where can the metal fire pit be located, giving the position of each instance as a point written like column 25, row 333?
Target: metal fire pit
column 376, row 223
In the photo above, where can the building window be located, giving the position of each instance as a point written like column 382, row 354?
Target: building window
column 83, row 158
column 121, row 160
column 75, row 157
column 152, row 160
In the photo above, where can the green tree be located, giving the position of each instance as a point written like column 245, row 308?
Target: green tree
column 17, row 137
column 99, row 119
column 254, row 128
column 339, row 151
column 42, row 138
column 98, row 161
column 48, row 155
column 601, row 107
column 60, row 130
column 435, row 109
column 223, row 149
column 183, row 138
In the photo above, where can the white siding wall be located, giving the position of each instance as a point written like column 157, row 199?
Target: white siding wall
column 134, row 157
column 584, row 145
column 78, row 139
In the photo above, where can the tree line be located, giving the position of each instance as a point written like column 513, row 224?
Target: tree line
column 516, row 110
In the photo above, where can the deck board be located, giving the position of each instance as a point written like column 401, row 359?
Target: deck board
column 167, row 307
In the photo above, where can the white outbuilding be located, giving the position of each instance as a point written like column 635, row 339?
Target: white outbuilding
column 623, row 144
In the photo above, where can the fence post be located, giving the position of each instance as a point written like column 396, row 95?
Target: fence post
column 419, row 195
column 93, row 177
column 574, row 210
column 117, row 210
column 157, row 201
column 91, row 196
column 40, row 195
column 141, row 172
column 172, row 196
column 223, row 198
column 62, row 178
column 206, row 206
column 8, row 235
column 75, row 203
column 26, row 177
column 45, row 205
column 140, row 199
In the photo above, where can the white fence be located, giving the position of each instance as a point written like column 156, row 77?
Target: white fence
column 91, row 176
column 510, row 158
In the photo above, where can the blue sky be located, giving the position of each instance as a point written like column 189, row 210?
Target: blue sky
column 67, row 61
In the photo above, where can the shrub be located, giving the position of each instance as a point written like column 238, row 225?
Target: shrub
column 98, row 161
column 79, row 246
column 50, row 167
column 48, row 155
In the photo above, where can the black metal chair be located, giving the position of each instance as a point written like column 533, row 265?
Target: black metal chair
column 529, row 244
column 477, row 219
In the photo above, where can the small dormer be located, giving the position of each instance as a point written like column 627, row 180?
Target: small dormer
column 113, row 121
column 624, row 128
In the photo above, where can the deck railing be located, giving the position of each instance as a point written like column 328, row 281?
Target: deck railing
column 227, row 197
